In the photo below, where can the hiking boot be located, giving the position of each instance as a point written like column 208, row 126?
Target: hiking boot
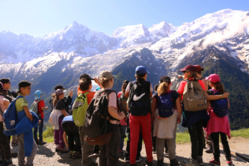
column 159, row 162
column 214, row 162
column 174, row 162
column 192, row 162
column 200, row 160
column 230, row 163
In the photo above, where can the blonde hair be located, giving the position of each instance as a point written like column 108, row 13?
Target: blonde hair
column 104, row 81
column 163, row 88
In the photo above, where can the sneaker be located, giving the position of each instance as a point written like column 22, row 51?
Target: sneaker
column 209, row 150
column 192, row 162
column 154, row 151
column 14, row 155
column 230, row 163
column 127, row 159
column 6, row 163
column 41, row 143
column 62, row 150
column 93, row 155
column 76, row 155
column 148, row 163
column 174, row 162
column 138, row 159
column 214, row 162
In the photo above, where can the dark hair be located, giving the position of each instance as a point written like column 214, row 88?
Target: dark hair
column 199, row 72
column 193, row 74
column 124, row 85
column 164, row 86
column 84, row 83
column 140, row 75
column 155, row 87
column 1, row 87
column 5, row 80
column 58, row 87
column 219, row 86
column 23, row 84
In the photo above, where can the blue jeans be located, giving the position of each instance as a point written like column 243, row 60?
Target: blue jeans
column 40, row 126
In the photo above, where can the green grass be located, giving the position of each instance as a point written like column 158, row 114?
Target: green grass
column 240, row 133
column 49, row 139
column 181, row 137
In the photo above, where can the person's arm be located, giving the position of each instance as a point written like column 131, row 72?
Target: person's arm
column 64, row 112
column 6, row 104
column 44, row 108
column 217, row 97
column 179, row 110
column 97, row 82
column 153, row 106
column 115, row 114
column 27, row 112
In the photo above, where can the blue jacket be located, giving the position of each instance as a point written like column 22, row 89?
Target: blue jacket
column 24, row 126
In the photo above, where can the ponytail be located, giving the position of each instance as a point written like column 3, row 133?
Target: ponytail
column 55, row 100
column 219, row 86
column 163, row 88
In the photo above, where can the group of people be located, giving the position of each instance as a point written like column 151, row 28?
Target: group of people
column 135, row 110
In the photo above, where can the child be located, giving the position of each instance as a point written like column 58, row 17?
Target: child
column 165, row 128
column 85, row 86
column 139, row 93
column 122, row 107
column 4, row 140
column 194, row 120
column 60, row 107
column 72, row 132
column 39, row 103
column 109, row 152
column 218, row 126
column 24, row 89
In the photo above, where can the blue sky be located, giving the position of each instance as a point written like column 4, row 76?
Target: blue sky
column 40, row 17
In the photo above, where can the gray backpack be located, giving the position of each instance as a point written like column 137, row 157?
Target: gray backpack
column 34, row 107
column 194, row 98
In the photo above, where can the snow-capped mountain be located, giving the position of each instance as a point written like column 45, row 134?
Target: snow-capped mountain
column 132, row 35
column 218, row 41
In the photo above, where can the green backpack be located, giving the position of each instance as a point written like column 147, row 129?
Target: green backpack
column 79, row 108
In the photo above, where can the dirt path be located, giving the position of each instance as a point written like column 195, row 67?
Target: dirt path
column 47, row 156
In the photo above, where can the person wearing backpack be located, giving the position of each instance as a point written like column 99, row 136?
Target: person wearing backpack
column 38, row 107
column 218, row 124
column 169, row 115
column 4, row 140
column 26, row 145
column 140, row 93
column 195, row 117
column 102, row 120
column 84, row 97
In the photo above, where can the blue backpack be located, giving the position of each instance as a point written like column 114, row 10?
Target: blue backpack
column 165, row 105
column 10, row 118
column 220, row 106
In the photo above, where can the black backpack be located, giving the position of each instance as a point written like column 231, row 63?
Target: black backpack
column 139, row 98
column 97, row 127
column 122, row 105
